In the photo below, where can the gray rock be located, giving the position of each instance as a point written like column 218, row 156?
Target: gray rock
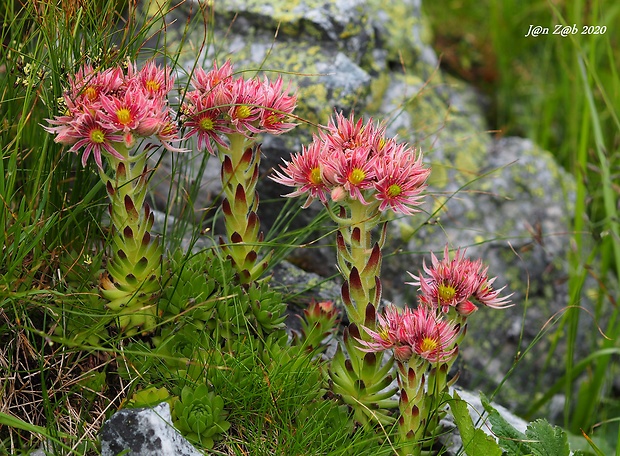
column 144, row 432
column 343, row 22
column 402, row 30
column 318, row 49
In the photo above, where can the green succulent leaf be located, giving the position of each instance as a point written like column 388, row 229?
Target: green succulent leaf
column 149, row 397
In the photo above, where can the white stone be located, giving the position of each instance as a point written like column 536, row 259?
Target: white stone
column 144, row 432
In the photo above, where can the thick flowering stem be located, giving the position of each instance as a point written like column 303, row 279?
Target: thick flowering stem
column 131, row 284
column 414, row 408
column 359, row 260
column 363, row 379
column 107, row 111
column 239, row 174
column 364, row 173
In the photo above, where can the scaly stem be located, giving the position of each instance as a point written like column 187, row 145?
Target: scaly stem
column 363, row 380
column 359, row 261
column 413, row 407
column 132, row 283
column 239, row 176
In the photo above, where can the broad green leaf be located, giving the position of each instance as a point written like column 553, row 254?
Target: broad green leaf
column 510, row 439
column 546, row 440
column 475, row 441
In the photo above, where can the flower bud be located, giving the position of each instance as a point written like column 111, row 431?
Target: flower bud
column 466, row 308
column 338, row 194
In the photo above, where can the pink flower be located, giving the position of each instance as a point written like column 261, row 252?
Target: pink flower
column 410, row 332
column 452, row 283
column 87, row 86
column 107, row 107
column 206, row 122
column 219, row 78
column 389, row 334
column 246, row 110
column 154, row 81
column 400, row 178
column 358, row 163
column 168, row 133
column 95, row 138
column 466, row 308
column 62, row 127
column 221, row 104
column 346, row 135
column 304, row 172
column 277, row 107
column 429, row 336
column 487, row 296
column 354, row 171
column 124, row 112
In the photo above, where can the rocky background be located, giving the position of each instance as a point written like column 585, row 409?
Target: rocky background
column 504, row 199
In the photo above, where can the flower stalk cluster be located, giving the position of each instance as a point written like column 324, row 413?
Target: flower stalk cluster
column 351, row 167
column 425, row 340
column 226, row 114
column 108, row 114
column 354, row 165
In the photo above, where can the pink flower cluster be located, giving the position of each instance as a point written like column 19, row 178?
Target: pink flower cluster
column 222, row 104
column 453, row 283
column 424, row 331
column 355, row 160
column 115, row 106
column 421, row 332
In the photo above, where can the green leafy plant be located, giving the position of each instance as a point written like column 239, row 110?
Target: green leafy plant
column 540, row 438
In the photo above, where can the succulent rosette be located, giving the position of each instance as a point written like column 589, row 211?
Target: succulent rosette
column 200, row 416
column 108, row 114
column 226, row 113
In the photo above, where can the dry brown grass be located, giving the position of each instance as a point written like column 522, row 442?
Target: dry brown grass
column 53, row 386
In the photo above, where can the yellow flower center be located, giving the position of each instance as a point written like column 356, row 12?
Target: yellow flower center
column 446, row 293
column 394, row 190
column 272, row 119
column 206, row 124
column 168, row 129
column 123, row 115
column 315, row 176
column 152, row 85
column 385, row 335
column 428, row 345
column 90, row 93
column 243, row 112
column 97, row 136
column 357, row 176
